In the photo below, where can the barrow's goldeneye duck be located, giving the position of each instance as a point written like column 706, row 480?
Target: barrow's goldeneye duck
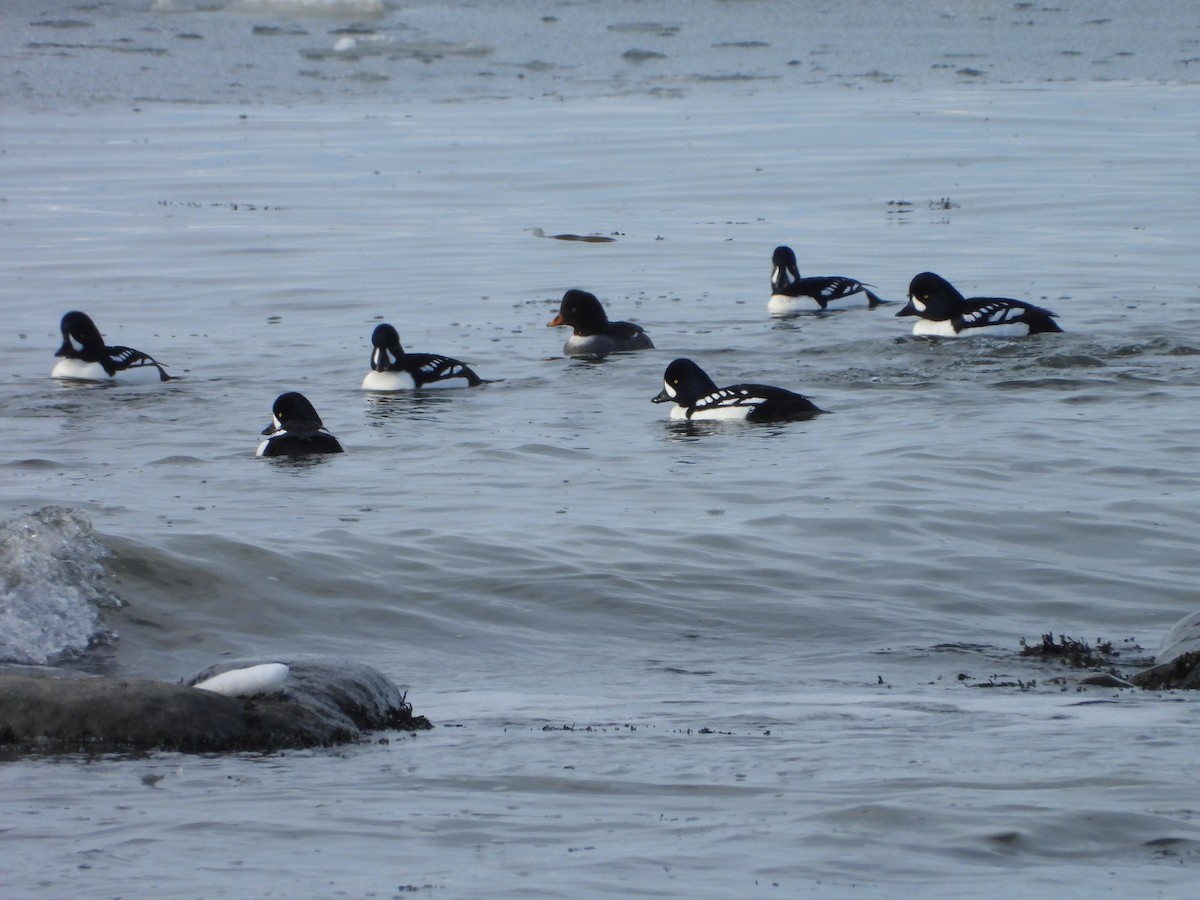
column 790, row 293
column 593, row 333
column 394, row 370
column 944, row 312
column 697, row 397
column 296, row 429
column 85, row 357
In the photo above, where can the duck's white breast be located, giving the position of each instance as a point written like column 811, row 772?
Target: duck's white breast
column 782, row 304
column 78, row 370
column 934, row 328
column 388, row 381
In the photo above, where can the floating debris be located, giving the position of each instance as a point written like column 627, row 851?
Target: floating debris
column 586, row 238
column 642, row 55
column 1075, row 653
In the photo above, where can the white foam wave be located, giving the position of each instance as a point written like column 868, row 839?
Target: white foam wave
column 51, row 587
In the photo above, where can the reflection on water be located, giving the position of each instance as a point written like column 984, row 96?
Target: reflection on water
column 689, row 430
column 381, row 407
column 300, row 464
column 793, row 321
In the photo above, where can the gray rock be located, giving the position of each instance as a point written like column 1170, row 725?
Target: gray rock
column 1177, row 664
column 325, row 702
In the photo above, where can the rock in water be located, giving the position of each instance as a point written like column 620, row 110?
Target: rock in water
column 1177, row 664
column 323, row 702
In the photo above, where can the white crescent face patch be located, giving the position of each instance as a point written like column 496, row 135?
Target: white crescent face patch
column 918, row 305
column 670, row 390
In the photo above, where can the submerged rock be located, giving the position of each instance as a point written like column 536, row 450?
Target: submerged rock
column 1177, row 664
column 321, row 702
column 1176, row 667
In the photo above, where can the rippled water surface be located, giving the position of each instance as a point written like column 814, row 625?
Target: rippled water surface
column 662, row 659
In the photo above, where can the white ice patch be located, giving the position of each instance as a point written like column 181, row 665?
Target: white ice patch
column 268, row 678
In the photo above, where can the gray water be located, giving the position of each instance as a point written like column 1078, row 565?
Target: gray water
column 662, row 659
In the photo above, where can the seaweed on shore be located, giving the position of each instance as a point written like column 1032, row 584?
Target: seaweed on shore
column 1079, row 654
column 1073, row 652
column 402, row 718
